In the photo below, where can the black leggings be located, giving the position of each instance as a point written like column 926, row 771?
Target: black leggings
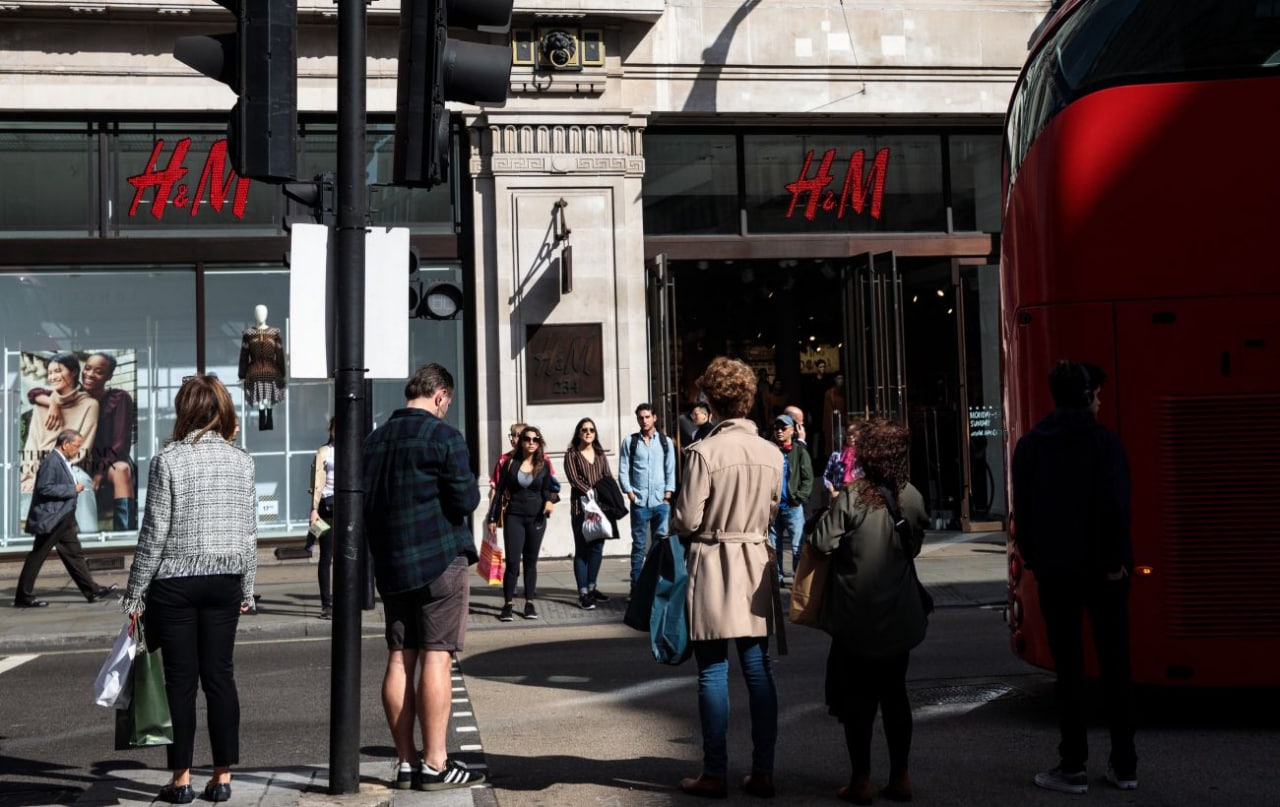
column 193, row 620
column 325, row 568
column 882, row 684
column 522, row 539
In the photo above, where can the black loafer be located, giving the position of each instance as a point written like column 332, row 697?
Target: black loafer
column 102, row 593
column 30, row 604
column 176, row 794
column 217, row 791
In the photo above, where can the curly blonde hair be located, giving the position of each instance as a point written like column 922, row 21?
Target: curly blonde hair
column 730, row 387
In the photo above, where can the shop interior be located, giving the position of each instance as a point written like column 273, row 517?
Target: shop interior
column 798, row 323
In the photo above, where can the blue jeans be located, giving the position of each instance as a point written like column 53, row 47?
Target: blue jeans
column 646, row 520
column 713, row 702
column 789, row 520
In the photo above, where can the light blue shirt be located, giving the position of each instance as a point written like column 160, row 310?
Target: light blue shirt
column 648, row 474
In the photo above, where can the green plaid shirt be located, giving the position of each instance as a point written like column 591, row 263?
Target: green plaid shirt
column 419, row 494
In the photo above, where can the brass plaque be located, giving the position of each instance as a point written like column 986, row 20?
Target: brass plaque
column 565, row 363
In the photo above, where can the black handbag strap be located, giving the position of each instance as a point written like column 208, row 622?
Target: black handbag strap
column 899, row 524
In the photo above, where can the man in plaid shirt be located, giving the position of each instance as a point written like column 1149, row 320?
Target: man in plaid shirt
column 419, row 494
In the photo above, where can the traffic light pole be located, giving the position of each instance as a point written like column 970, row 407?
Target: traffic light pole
column 349, row 404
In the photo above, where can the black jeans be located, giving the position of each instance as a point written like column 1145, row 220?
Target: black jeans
column 1064, row 601
column 193, row 621
column 325, row 573
column 521, row 541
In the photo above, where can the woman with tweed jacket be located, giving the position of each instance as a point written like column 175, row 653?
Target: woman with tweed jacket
column 193, row 573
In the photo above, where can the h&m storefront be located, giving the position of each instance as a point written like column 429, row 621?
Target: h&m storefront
column 854, row 268
column 131, row 257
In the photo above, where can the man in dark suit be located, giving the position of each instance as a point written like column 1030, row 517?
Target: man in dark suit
column 52, row 520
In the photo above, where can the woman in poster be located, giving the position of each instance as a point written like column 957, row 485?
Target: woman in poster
column 109, row 459
column 77, row 410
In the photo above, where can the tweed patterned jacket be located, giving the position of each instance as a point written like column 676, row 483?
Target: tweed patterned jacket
column 201, row 517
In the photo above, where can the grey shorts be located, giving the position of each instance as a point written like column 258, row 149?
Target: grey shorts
column 433, row 617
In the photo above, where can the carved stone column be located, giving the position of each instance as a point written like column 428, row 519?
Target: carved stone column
column 524, row 164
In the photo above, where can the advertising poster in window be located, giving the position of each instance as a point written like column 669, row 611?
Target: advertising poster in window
column 92, row 392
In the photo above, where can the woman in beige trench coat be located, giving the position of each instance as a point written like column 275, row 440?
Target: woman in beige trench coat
column 729, row 495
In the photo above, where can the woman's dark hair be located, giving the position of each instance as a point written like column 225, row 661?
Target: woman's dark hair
column 730, row 387
column 883, row 451
column 539, row 456
column 69, row 361
column 111, row 361
column 203, row 405
column 576, row 443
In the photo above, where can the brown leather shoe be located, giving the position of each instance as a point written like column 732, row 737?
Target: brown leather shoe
column 858, row 791
column 898, row 789
column 705, row 787
column 759, row 784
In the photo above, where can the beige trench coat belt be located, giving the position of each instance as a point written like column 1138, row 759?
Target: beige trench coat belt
column 722, row 537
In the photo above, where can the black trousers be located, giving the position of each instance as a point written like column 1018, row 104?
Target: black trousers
column 1064, row 601
column 325, row 573
column 521, row 541
column 193, row 620
column 66, row 537
column 871, row 685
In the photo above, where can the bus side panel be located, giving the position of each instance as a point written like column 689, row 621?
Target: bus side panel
column 1040, row 337
column 1199, row 384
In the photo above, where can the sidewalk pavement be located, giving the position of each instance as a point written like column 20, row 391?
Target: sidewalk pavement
column 959, row 569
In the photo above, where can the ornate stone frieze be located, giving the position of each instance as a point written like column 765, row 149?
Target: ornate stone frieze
column 589, row 146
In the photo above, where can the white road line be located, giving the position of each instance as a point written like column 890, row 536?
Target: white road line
column 470, row 748
column 9, row 662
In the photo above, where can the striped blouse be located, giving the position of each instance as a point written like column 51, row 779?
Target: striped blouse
column 584, row 475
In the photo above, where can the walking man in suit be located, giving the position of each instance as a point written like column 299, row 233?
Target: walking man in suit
column 52, row 520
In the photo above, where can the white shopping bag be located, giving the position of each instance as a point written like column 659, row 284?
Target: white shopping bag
column 109, row 689
column 595, row 526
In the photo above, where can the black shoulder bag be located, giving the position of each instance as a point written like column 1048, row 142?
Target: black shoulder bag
column 904, row 533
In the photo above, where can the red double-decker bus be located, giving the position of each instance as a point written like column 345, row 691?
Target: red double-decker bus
column 1142, row 234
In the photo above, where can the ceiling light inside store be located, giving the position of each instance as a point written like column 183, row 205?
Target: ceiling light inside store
column 915, row 298
column 940, row 294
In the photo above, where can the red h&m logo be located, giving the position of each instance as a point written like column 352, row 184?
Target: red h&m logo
column 216, row 177
column 857, row 186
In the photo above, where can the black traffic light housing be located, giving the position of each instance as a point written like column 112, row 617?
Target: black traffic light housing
column 434, row 69
column 260, row 62
column 317, row 196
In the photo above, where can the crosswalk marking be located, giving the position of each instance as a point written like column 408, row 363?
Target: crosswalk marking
column 9, row 662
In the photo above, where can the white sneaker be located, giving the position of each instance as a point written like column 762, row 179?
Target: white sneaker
column 1126, row 782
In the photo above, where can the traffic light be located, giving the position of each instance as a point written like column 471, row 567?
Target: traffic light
column 317, row 196
column 433, row 69
column 260, row 62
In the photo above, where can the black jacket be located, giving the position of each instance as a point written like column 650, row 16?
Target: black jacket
column 1071, row 497
column 524, row 502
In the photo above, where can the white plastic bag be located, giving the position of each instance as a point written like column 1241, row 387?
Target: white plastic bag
column 595, row 526
column 110, row 689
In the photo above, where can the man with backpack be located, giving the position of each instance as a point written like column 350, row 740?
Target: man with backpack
column 647, row 473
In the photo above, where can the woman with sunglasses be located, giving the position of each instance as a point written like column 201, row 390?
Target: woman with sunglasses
column 523, row 500
column 585, row 464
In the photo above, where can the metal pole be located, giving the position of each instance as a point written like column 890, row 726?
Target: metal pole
column 349, row 405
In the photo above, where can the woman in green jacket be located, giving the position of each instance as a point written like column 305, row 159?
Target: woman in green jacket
column 873, row 609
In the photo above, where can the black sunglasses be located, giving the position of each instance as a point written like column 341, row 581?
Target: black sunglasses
column 187, row 378
column 588, row 430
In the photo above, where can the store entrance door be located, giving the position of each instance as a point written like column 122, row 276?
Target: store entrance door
column 877, row 382
column 660, row 294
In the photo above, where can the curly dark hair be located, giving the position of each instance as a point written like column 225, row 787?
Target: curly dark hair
column 884, row 448
column 730, row 387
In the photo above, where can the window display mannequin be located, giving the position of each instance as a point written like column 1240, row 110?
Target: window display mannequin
column 262, row 366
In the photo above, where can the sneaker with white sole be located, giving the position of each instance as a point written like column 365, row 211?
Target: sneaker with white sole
column 585, row 602
column 1127, row 781
column 455, row 774
column 1063, row 782
column 402, row 775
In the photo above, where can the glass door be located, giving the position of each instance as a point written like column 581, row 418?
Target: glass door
column 978, row 302
column 660, row 290
column 874, row 337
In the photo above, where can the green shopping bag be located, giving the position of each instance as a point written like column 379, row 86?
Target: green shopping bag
column 146, row 721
